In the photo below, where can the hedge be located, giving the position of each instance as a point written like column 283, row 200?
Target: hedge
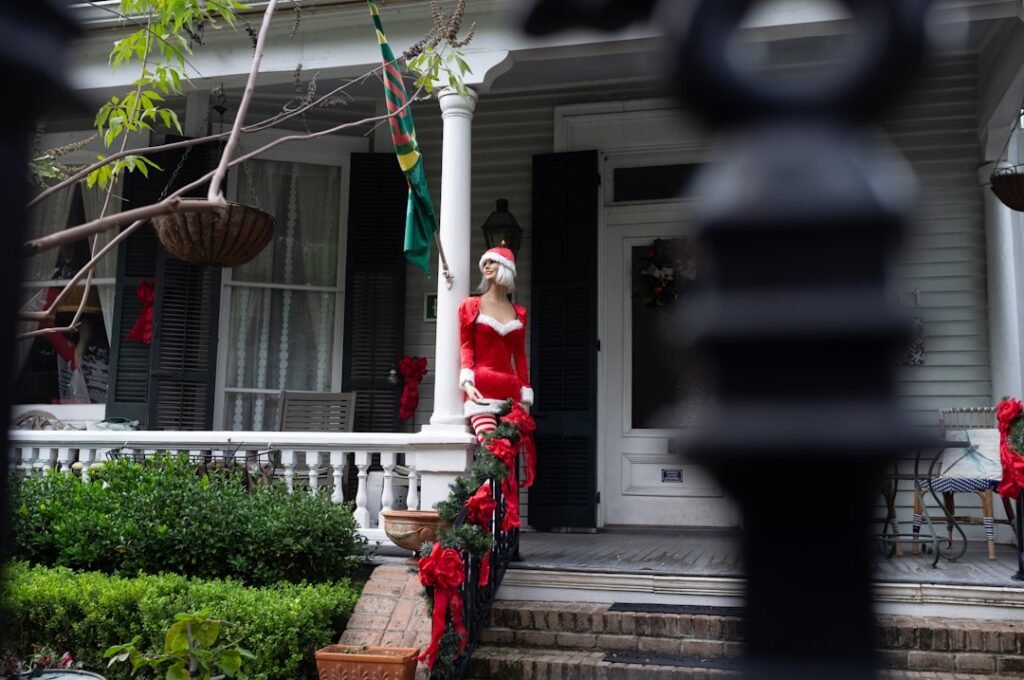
column 87, row 612
column 165, row 515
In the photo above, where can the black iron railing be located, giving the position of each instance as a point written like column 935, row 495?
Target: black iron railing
column 477, row 599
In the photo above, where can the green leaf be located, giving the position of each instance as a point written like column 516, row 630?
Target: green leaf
column 176, row 639
column 230, row 662
column 177, row 672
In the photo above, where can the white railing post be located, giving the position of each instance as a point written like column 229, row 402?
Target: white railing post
column 64, row 459
column 362, row 515
column 387, row 496
column 313, row 470
column 338, row 463
column 86, row 457
column 412, row 498
column 288, row 461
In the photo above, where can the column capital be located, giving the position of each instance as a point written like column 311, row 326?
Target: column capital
column 454, row 104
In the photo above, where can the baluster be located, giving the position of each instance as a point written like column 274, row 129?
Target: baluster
column 412, row 498
column 387, row 496
column 45, row 461
column 288, row 462
column 64, row 459
column 28, row 456
column 313, row 470
column 338, row 464
column 361, row 513
column 85, row 457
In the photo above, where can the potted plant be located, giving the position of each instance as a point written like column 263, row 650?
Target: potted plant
column 410, row 529
column 343, row 662
column 190, row 651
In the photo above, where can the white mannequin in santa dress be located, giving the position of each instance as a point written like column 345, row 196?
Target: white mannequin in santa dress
column 492, row 331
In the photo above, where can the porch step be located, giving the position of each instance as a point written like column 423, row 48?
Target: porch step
column 507, row 663
column 692, row 641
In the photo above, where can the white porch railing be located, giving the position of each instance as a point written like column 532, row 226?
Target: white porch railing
column 304, row 460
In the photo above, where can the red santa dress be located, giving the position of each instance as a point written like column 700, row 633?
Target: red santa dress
column 493, row 358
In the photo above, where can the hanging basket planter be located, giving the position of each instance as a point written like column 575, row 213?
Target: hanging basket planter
column 221, row 238
column 1008, row 186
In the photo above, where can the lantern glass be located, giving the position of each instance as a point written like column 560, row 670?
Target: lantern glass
column 501, row 228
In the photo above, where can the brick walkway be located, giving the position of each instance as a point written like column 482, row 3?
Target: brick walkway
column 391, row 612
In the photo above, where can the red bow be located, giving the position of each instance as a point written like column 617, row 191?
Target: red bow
column 1013, row 461
column 443, row 570
column 412, row 370
column 526, row 425
column 142, row 331
column 480, row 511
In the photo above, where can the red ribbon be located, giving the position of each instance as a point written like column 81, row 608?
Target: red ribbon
column 412, row 370
column 1013, row 461
column 142, row 331
column 480, row 511
column 443, row 570
column 522, row 420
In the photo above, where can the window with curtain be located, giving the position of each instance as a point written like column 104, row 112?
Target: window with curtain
column 282, row 305
column 66, row 368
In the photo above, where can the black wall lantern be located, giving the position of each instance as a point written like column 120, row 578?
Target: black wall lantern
column 501, row 228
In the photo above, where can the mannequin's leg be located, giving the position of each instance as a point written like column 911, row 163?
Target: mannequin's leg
column 483, row 423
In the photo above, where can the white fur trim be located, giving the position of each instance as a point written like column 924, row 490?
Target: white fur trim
column 526, row 395
column 493, row 257
column 471, row 408
column 466, row 376
column 499, row 327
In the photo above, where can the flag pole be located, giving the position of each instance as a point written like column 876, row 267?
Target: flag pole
column 445, row 272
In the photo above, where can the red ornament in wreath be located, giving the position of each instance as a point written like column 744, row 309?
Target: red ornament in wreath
column 1011, row 446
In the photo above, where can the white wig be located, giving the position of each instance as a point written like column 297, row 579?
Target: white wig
column 504, row 278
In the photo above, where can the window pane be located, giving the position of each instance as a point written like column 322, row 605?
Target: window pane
column 280, row 339
column 653, row 182
column 250, row 411
column 304, row 200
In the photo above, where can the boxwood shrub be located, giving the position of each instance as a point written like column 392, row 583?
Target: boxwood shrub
column 166, row 516
column 87, row 612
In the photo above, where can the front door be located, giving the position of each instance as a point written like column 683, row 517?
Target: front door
column 648, row 392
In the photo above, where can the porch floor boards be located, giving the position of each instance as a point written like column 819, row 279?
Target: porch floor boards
column 717, row 553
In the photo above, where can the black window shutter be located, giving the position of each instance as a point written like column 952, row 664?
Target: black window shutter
column 375, row 288
column 564, row 339
column 168, row 384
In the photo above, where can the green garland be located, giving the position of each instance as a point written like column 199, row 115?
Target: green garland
column 1016, row 436
column 469, row 539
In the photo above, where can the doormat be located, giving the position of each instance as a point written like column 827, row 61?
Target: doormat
column 685, row 609
column 644, row 659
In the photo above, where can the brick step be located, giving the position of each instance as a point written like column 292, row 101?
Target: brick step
column 905, row 643
column 509, row 663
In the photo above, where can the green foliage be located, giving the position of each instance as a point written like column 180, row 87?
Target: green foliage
column 1016, row 436
column 190, row 650
column 87, row 613
column 163, row 516
column 160, row 46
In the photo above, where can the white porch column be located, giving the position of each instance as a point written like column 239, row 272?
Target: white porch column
column 438, row 468
column 1003, row 251
column 456, row 187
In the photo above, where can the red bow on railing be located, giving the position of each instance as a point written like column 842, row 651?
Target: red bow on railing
column 142, row 331
column 443, row 570
column 524, row 421
column 1013, row 461
column 480, row 511
column 412, row 370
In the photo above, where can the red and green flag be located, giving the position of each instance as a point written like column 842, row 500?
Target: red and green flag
column 420, row 219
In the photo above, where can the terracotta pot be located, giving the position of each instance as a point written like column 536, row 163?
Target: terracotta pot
column 410, row 529
column 352, row 662
column 225, row 238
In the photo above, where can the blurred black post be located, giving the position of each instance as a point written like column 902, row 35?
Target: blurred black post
column 33, row 41
column 798, row 222
column 1019, row 576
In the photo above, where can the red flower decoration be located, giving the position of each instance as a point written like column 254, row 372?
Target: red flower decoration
column 412, row 370
column 1012, row 461
column 519, row 418
column 142, row 331
column 503, row 450
column 481, row 507
column 444, row 571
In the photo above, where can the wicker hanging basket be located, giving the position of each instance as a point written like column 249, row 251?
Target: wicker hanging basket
column 221, row 238
column 1008, row 186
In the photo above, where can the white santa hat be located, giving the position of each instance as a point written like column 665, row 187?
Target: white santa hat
column 501, row 255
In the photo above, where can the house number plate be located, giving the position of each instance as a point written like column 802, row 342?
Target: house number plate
column 674, row 475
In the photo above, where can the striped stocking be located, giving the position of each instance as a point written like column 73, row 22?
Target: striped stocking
column 483, row 423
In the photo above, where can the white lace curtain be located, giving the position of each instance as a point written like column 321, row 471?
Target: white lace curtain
column 281, row 333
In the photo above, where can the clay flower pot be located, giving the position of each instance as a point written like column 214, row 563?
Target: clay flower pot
column 410, row 529
column 353, row 662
